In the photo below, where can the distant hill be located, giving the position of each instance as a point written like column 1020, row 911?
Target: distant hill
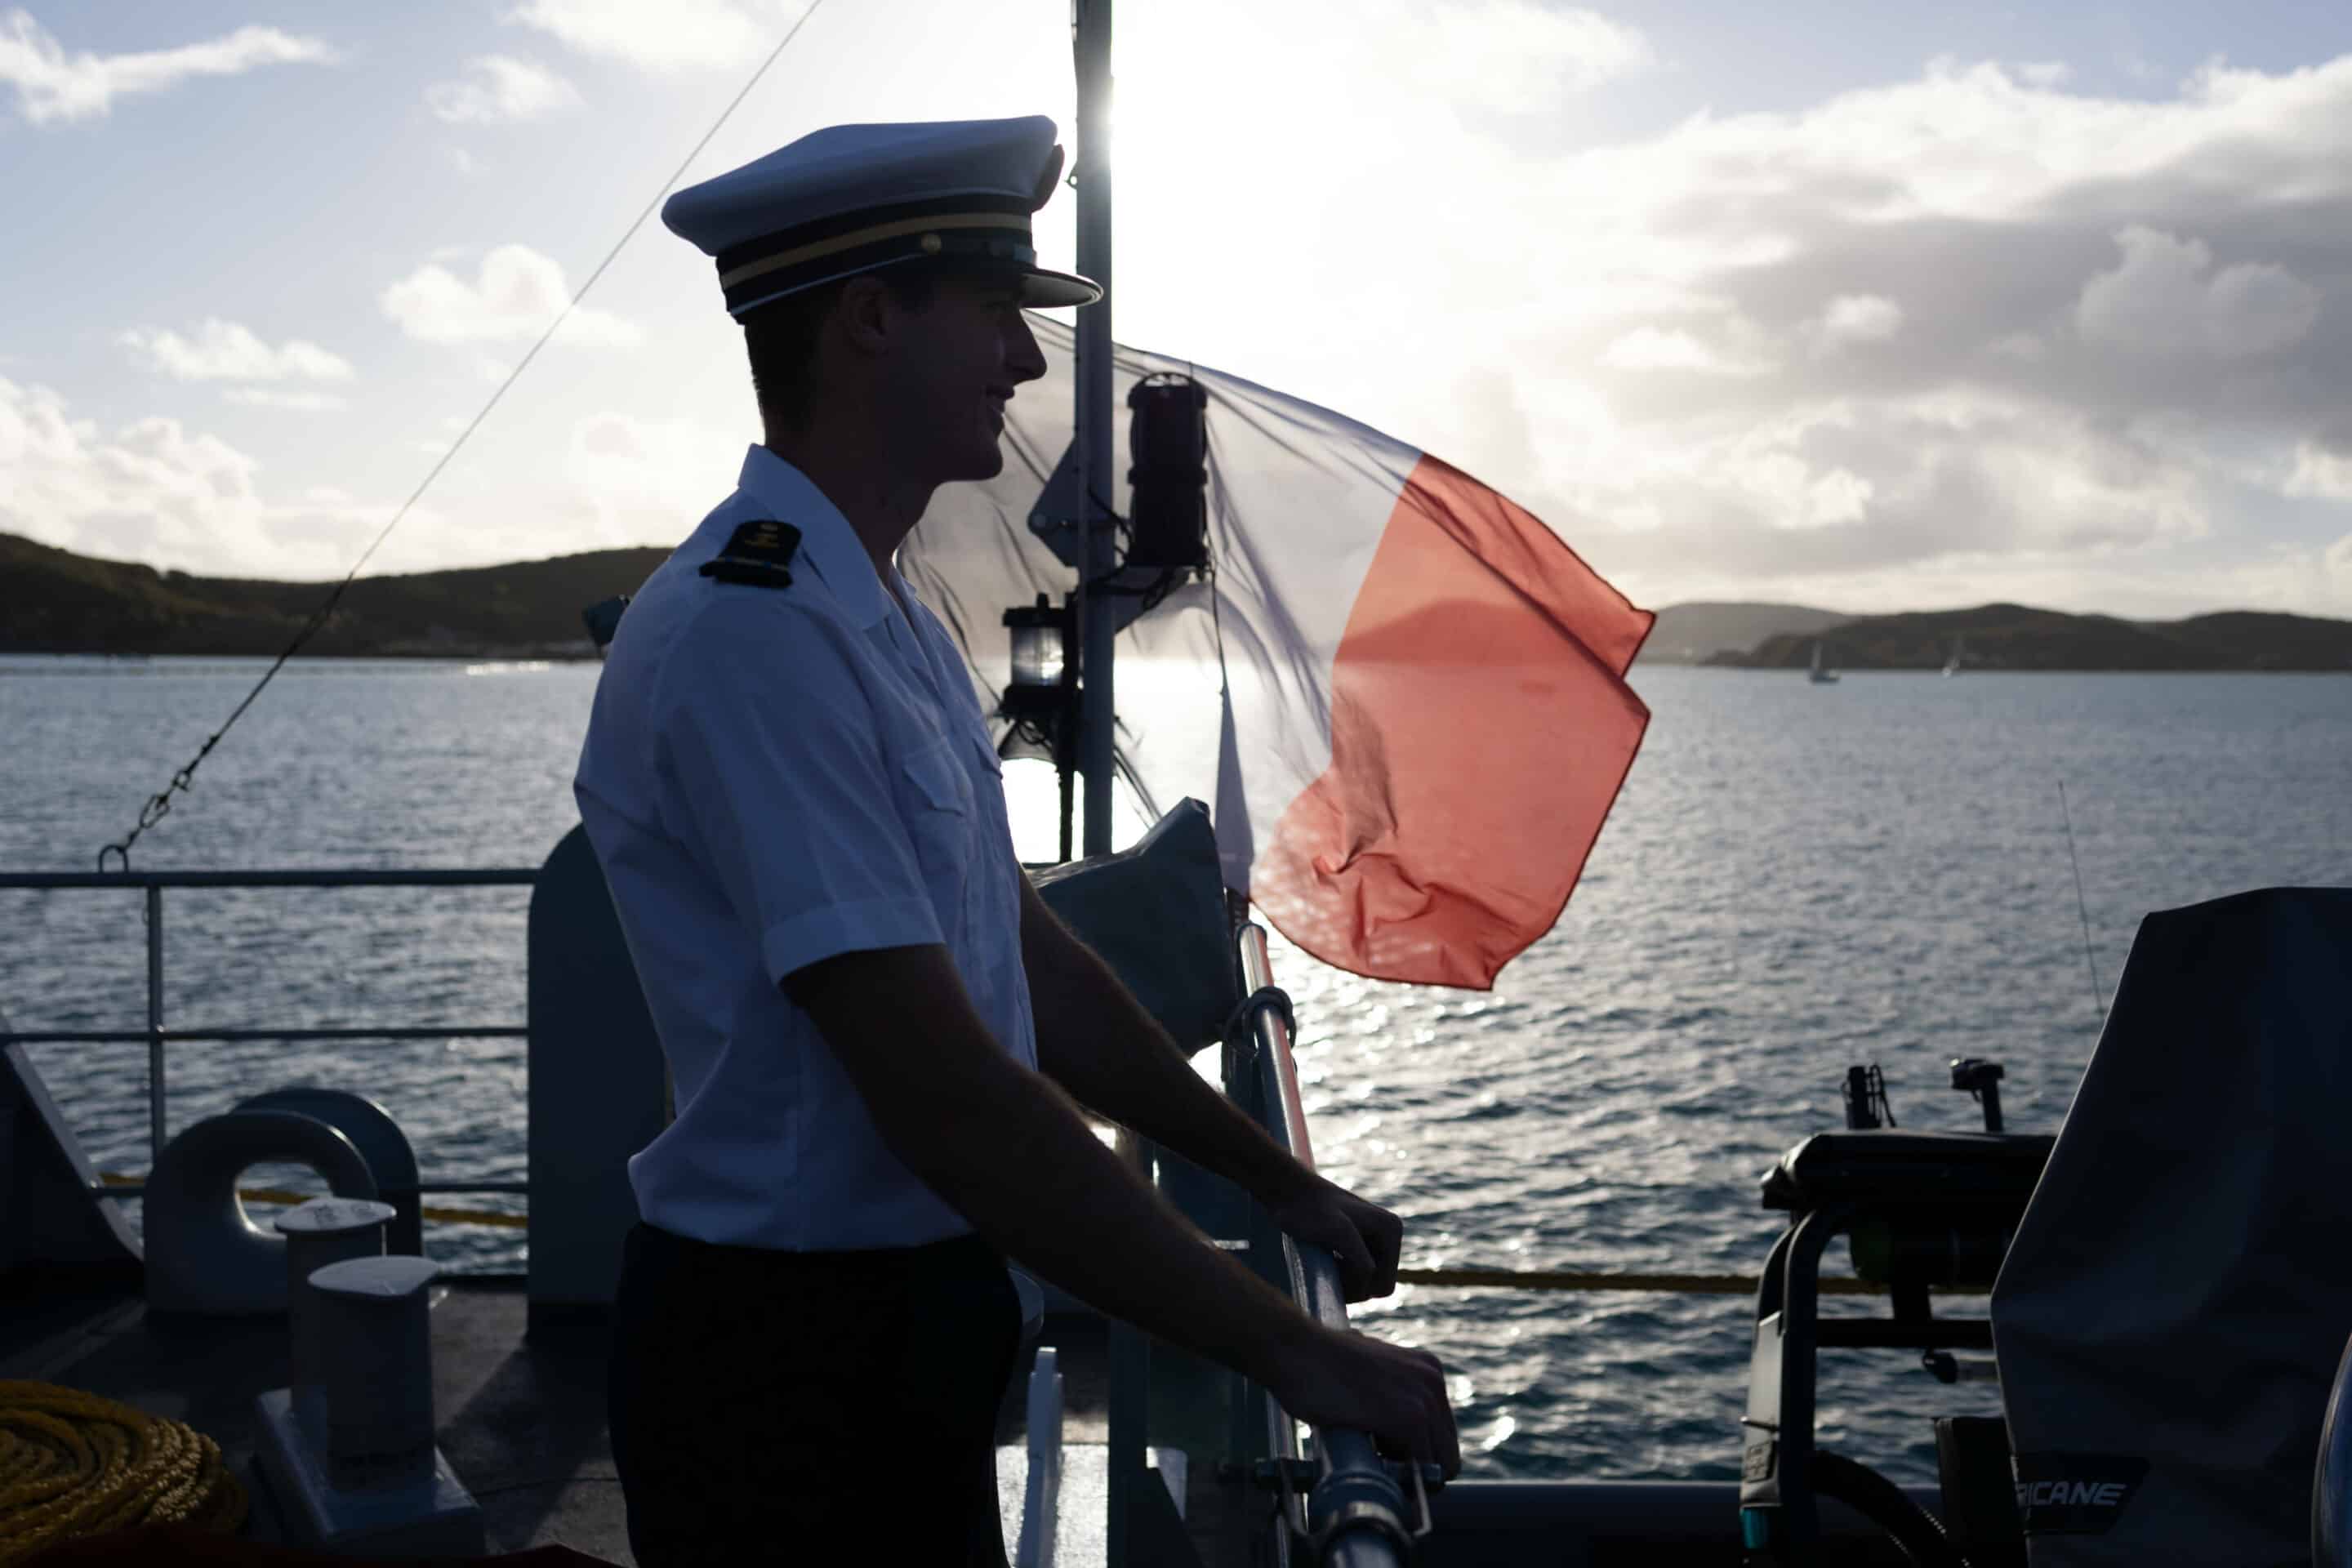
column 1689, row 634
column 2014, row 636
column 53, row 601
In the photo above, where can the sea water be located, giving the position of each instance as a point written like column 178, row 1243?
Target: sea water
column 1795, row 879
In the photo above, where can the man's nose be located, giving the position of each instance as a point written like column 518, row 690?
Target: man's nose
column 1023, row 360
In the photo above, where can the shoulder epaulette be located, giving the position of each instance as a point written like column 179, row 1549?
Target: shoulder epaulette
column 757, row 554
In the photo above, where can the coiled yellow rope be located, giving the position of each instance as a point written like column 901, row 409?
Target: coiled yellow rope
column 72, row 1464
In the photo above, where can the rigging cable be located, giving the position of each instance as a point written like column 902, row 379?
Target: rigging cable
column 159, row 806
column 1225, row 725
column 2082, row 907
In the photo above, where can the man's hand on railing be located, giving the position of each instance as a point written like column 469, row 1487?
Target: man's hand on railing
column 1362, row 1237
column 1340, row 1378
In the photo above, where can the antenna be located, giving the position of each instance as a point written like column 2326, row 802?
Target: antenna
column 2081, row 907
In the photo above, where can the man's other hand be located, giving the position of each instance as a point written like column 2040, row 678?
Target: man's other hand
column 1362, row 1237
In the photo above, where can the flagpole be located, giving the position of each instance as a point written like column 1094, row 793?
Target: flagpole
column 1091, row 21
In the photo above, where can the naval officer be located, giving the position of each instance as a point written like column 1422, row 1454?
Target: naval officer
column 876, row 1029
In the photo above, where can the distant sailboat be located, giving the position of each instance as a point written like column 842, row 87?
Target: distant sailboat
column 1823, row 674
column 1952, row 665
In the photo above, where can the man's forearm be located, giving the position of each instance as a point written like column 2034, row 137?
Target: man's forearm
column 1095, row 1039
column 1006, row 1149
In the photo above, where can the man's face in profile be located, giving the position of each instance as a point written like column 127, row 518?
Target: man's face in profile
column 965, row 354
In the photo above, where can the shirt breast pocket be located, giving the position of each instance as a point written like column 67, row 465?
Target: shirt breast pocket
column 935, row 802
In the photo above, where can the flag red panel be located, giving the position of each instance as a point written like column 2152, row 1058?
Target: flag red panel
column 1481, row 727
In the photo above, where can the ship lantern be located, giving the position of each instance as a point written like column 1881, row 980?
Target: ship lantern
column 1040, row 636
column 1168, row 439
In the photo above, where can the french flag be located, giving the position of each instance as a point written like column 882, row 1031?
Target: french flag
column 1403, row 694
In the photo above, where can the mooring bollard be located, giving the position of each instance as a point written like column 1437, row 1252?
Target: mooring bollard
column 366, row 1479
column 375, row 1338
column 318, row 1233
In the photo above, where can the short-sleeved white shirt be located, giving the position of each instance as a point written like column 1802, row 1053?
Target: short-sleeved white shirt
column 773, row 776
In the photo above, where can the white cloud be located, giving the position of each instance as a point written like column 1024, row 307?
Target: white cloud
column 1852, row 319
column 224, row 351
column 1976, row 142
column 1645, row 312
column 2159, row 298
column 1663, row 306
column 1513, row 55
column 498, row 89
column 1854, row 500
column 151, row 490
column 2320, row 474
column 54, row 85
column 55, row 469
column 1651, row 348
column 158, row 491
column 514, row 295
column 296, row 401
column 660, row 36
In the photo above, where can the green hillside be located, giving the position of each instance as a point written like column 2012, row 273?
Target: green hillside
column 53, row 601
column 2016, row 637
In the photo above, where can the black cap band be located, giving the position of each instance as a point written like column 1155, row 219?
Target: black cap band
column 984, row 228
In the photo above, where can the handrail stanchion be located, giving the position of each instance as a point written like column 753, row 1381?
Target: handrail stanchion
column 154, row 1025
column 1357, row 1512
column 1128, row 1439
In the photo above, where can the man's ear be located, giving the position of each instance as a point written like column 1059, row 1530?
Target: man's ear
column 866, row 314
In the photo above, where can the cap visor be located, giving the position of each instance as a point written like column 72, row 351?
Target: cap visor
column 1044, row 290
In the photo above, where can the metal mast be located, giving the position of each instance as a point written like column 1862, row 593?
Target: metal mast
column 1130, row 1352
column 1090, row 23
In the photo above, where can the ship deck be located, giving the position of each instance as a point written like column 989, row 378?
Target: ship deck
column 519, row 1416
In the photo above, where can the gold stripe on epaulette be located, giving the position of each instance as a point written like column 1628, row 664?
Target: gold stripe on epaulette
column 881, row 231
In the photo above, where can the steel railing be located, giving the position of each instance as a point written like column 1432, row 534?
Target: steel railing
column 158, row 1037
column 1356, row 1512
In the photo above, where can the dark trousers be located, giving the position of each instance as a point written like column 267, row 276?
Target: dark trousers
column 819, row 1407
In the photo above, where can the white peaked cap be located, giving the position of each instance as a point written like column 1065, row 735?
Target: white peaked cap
column 852, row 198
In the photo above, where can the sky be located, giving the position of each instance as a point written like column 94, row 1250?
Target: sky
column 1873, row 307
